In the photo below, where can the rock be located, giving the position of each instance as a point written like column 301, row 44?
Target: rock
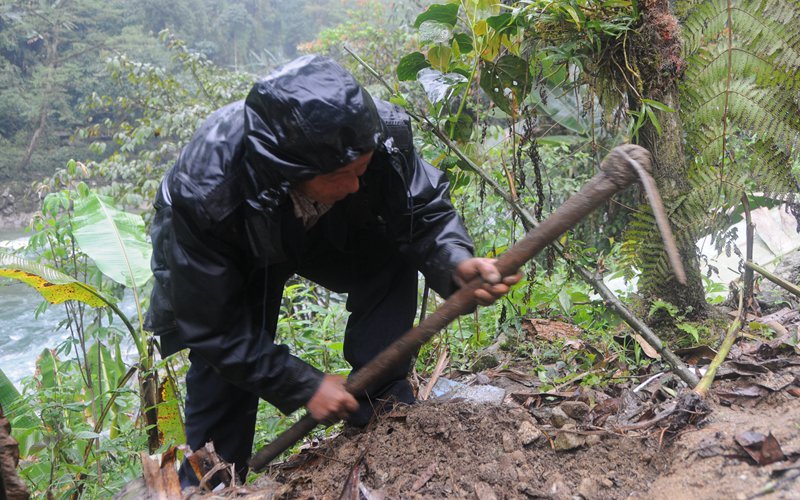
column 559, row 419
column 575, row 409
column 593, row 439
column 448, row 390
column 557, row 488
column 568, row 439
column 484, row 362
column 509, row 444
column 528, row 433
column 542, row 414
column 531, row 492
column 484, row 492
column 588, row 488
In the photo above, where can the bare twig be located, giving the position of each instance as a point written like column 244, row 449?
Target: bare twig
column 350, row 490
column 426, row 476
column 789, row 287
column 724, row 349
column 749, row 302
column 441, row 362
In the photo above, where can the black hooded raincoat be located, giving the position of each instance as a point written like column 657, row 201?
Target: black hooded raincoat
column 221, row 212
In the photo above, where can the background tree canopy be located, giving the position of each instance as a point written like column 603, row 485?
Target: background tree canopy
column 53, row 57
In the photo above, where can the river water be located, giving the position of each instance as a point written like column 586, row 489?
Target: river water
column 23, row 334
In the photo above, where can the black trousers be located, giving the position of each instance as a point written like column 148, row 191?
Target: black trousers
column 381, row 287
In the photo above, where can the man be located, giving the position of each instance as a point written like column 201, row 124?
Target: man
column 307, row 176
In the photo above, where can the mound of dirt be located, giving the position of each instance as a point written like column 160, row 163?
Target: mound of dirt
column 646, row 437
column 462, row 450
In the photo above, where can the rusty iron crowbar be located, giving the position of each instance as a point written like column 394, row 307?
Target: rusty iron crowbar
column 623, row 165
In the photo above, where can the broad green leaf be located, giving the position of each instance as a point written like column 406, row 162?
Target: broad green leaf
column 47, row 370
column 105, row 365
column 653, row 119
column 87, row 435
column 658, row 105
column 445, row 14
column 410, row 65
column 8, row 392
column 15, row 408
column 461, row 130
column 559, row 140
column 507, row 81
column 573, row 13
column 439, row 86
column 565, row 301
column 433, row 32
column 54, row 286
column 464, row 43
column 114, row 239
column 501, row 22
column 439, row 56
column 170, row 424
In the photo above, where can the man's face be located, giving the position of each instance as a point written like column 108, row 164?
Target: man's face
column 335, row 186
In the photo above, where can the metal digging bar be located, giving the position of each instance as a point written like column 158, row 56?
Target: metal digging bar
column 618, row 170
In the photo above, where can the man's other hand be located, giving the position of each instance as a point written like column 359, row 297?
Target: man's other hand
column 331, row 402
column 493, row 287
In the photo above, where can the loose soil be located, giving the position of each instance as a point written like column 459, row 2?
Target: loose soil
column 630, row 445
column 463, row 450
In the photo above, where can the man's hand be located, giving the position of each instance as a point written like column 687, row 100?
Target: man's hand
column 493, row 287
column 331, row 402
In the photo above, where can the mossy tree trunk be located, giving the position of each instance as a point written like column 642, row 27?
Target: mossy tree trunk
column 660, row 66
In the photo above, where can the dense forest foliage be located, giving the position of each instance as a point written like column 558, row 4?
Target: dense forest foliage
column 53, row 57
column 517, row 101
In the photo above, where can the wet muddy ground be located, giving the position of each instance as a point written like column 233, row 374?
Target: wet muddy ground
column 633, row 440
column 462, row 450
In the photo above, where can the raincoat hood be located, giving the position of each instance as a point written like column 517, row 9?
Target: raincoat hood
column 307, row 118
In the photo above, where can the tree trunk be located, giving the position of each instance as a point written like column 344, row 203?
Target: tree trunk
column 11, row 486
column 44, row 106
column 660, row 66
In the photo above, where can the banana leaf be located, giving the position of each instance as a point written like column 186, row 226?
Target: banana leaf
column 170, row 423
column 54, row 286
column 16, row 409
column 115, row 240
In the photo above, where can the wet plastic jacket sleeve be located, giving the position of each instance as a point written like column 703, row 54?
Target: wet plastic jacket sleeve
column 217, row 321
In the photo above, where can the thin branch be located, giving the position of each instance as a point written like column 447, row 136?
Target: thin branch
column 724, row 349
column 789, row 287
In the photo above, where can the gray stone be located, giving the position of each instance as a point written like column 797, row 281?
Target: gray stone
column 559, row 419
column 568, row 439
column 575, row 409
column 593, row 439
column 528, row 433
column 484, row 492
column 588, row 488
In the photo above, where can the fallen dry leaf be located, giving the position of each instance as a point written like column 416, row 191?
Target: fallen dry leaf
column 693, row 355
column 649, row 350
column 551, row 330
column 774, row 381
column 424, row 477
column 743, row 391
column 763, row 449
